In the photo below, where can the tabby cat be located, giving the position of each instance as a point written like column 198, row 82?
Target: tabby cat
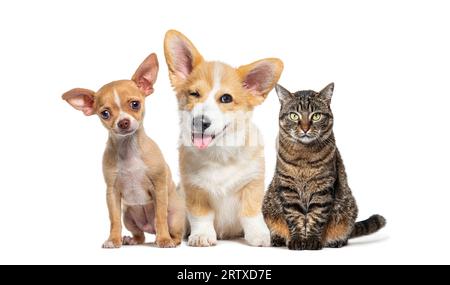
column 309, row 204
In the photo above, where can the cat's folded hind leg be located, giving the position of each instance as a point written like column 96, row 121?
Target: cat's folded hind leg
column 337, row 234
column 279, row 232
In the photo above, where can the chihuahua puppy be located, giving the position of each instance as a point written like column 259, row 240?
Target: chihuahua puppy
column 139, row 182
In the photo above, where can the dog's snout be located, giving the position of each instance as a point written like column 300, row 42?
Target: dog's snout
column 201, row 123
column 123, row 124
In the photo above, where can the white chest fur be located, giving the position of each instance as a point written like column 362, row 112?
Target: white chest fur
column 226, row 215
column 223, row 177
column 131, row 179
column 218, row 176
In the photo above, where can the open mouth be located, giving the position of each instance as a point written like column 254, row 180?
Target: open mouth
column 202, row 140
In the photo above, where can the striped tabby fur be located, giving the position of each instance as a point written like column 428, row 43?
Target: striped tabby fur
column 309, row 204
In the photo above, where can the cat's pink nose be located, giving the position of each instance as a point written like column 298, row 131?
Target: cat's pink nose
column 305, row 127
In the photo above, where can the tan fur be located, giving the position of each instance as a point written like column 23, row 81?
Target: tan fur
column 197, row 200
column 201, row 80
column 252, row 194
column 200, row 77
column 104, row 99
column 196, row 57
column 156, row 180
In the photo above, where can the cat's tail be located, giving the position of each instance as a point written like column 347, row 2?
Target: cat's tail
column 369, row 226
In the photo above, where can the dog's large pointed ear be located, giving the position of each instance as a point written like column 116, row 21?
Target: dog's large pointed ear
column 181, row 56
column 146, row 74
column 81, row 99
column 261, row 76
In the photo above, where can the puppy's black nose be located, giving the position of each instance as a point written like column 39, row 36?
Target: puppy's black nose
column 201, row 123
column 123, row 124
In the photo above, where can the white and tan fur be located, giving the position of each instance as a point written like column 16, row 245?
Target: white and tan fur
column 139, row 182
column 222, row 165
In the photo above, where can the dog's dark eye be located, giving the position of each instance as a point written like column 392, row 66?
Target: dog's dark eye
column 105, row 114
column 195, row 94
column 226, row 98
column 135, row 105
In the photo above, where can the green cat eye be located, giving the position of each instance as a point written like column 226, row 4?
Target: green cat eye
column 316, row 117
column 293, row 117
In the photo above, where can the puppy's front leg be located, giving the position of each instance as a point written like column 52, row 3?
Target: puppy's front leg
column 114, row 208
column 161, row 194
column 201, row 218
column 252, row 221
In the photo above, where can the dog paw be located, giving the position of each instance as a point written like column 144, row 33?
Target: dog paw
column 112, row 243
column 202, row 240
column 177, row 241
column 258, row 239
column 165, row 242
column 337, row 243
column 277, row 241
column 127, row 240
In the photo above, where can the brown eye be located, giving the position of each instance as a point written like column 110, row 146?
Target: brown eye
column 105, row 115
column 135, row 105
column 194, row 94
column 226, row 98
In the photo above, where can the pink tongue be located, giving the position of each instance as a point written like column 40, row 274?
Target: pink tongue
column 202, row 142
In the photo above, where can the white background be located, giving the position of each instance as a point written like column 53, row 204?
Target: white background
column 390, row 62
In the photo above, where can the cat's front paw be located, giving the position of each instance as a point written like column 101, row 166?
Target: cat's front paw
column 296, row 243
column 313, row 244
column 277, row 241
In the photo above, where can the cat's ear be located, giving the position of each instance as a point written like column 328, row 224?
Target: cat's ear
column 327, row 92
column 283, row 94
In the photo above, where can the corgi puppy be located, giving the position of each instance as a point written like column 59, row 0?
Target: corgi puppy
column 221, row 151
column 138, row 180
